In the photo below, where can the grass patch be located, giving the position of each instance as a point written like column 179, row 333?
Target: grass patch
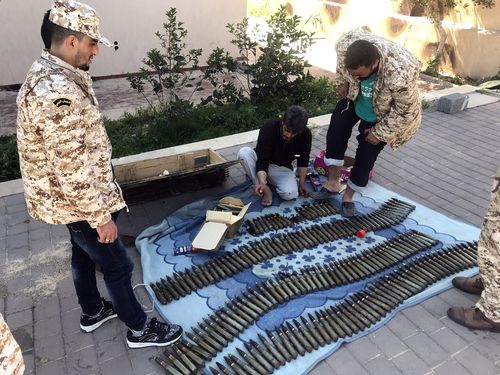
column 151, row 129
column 9, row 160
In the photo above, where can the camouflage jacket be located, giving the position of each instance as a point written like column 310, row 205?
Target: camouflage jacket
column 396, row 100
column 11, row 359
column 493, row 212
column 64, row 151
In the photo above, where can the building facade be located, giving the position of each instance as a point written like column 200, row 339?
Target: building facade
column 129, row 22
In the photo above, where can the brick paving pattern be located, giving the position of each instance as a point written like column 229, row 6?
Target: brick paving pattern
column 448, row 167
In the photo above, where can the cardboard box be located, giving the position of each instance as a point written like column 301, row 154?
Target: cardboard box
column 220, row 224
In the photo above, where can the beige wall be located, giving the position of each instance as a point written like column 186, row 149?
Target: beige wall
column 473, row 42
column 130, row 22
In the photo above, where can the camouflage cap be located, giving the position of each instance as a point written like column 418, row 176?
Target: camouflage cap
column 79, row 17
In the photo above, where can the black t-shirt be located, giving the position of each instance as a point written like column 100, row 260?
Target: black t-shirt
column 272, row 149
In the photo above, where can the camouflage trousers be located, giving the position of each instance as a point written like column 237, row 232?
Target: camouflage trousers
column 11, row 359
column 488, row 259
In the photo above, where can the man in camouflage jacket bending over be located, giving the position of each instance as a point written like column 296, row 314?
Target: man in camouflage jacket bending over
column 377, row 80
column 486, row 314
column 65, row 157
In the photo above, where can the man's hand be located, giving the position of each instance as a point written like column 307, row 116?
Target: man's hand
column 302, row 189
column 259, row 189
column 108, row 232
column 371, row 138
column 261, row 183
column 343, row 90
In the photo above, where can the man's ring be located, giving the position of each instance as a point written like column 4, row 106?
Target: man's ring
column 108, row 240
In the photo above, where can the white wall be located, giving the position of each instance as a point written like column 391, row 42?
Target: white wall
column 130, row 22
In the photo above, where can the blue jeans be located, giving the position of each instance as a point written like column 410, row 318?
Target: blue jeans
column 343, row 119
column 116, row 266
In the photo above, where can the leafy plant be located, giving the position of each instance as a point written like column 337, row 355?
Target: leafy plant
column 275, row 62
column 433, row 64
column 221, row 72
column 170, row 68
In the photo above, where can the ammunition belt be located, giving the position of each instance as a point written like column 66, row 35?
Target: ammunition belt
column 354, row 314
column 240, row 312
column 181, row 284
column 273, row 222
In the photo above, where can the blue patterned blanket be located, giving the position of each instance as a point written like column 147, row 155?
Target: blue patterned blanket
column 156, row 246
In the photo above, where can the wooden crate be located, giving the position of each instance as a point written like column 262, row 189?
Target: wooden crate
column 143, row 171
column 171, row 175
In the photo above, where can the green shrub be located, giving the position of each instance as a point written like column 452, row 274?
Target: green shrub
column 146, row 133
column 149, row 130
column 166, row 69
column 9, row 159
column 280, row 66
column 276, row 77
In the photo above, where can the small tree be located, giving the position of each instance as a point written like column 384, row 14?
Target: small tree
column 171, row 68
column 274, row 63
column 271, row 67
column 436, row 10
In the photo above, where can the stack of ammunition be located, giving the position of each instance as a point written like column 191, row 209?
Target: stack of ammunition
column 181, row 284
column 267, row 223
column 392, row 210
column 354, row 314
column 221, row 327
column 273, row 222
column 316, row 210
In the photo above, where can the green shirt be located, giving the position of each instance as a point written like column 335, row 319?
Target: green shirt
column 364, row 102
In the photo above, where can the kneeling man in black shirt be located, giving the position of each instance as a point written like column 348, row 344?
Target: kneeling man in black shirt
column 280, row 142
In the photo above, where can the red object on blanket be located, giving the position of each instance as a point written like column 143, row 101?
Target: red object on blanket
column 361, row 233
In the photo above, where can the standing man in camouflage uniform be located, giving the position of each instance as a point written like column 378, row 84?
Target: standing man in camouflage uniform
column 11, row 359
column 377, row 80
column 65, row 157
column 486, row 314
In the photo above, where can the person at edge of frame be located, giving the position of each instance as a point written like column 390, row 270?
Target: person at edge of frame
column 485, row 314
column 279, row 143
column 65, row 159
column 11, row 358
column 377, row 80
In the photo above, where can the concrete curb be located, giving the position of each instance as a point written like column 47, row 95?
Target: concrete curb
column 16, row 186
column 11, row 187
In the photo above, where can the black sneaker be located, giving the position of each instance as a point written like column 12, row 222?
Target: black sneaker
column 89, row 324
column 155, row 334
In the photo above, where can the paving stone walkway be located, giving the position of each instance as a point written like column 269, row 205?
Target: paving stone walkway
column 116, row 97
column 448, row 167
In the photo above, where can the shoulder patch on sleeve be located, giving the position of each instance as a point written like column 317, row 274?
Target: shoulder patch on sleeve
column 60, row 102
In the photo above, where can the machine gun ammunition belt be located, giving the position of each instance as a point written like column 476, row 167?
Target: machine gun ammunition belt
column 352, row 315
column 272, row 222
column 349, row 317
column 182, row 283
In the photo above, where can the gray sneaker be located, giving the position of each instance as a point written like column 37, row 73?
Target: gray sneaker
column 348, row 209
column 323, row 193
